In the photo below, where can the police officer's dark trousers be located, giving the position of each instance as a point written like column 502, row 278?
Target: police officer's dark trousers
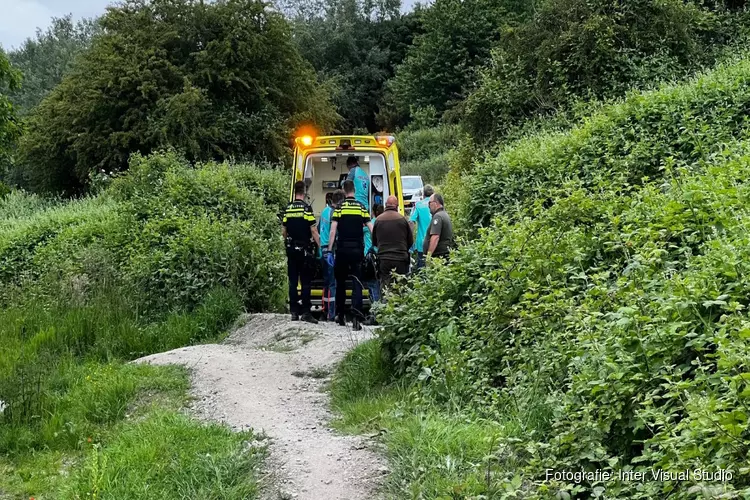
column 349, row 264
column 299, row 269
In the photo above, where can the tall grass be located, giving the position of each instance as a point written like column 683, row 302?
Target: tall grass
column 433, row 453
column 166, row 256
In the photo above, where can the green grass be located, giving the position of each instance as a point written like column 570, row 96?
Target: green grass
column 432, row 453
column 168, row 255
column 117, row 431
column 168, row 455
column 80, row 422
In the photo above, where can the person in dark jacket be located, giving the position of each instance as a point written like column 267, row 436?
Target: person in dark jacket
column 299, row 231
column 393, row 237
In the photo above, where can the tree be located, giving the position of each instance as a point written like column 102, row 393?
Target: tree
column 45, row 59
column 215, row 80
column 441, row 65
column 10, row 127
column 355, row 45
column 581, row 49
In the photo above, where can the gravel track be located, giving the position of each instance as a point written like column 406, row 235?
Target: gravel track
column 269, row 375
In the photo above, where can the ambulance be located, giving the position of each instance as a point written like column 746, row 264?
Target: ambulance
column 320, row 162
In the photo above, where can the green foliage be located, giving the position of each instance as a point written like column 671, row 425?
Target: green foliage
column 166, row 232
column 443, row 61
column 194, row 461
column 165, row 256
column 215, row 80
column 425, row 151
column 581, row 49
column 431, row 453
column 45, row 59
column 116, row 430
column 354, row 46
column 418, row 143
column 10, row 128
column 618, row 146
column 43, row 342
column 609, row 313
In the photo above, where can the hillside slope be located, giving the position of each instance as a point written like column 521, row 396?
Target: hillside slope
column 603, row 313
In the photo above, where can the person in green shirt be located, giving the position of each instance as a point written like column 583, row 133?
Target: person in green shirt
column 439, row 242
column 420, row 223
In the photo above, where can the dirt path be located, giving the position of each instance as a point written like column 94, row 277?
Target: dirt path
column 267, row 376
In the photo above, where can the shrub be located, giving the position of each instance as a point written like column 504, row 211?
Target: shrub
column 582, row 49
column 626, row 310
column 618, row 146
column 620, row 302
column 423, row 143
column 167, row 232
column 425, row 151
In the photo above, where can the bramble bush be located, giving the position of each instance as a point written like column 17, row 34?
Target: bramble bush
column 606, row 302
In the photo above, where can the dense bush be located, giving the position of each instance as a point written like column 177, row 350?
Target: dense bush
column 618, row 146
column 422, row 143
column 215, row 80
column 167, row 255
column 613, row 317
column 582, row 49
column 166, row 231
column 425, row 151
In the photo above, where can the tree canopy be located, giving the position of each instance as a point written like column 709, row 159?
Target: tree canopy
column 355, row 46
column 582, row 49
column 214, row 80
column 45, row 59
column 10, row 80
column 440, row 66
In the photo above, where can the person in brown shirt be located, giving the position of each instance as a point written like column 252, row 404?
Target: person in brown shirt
column 393, row 237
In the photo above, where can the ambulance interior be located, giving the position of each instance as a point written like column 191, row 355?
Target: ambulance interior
column 326, row 172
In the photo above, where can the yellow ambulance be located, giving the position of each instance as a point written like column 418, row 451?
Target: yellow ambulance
column 320, row 162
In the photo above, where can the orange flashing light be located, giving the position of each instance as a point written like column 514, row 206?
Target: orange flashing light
column 385, row 140
column 306, row 140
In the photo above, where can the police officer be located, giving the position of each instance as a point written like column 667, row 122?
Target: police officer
column 299, row 232
column 348, row 220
